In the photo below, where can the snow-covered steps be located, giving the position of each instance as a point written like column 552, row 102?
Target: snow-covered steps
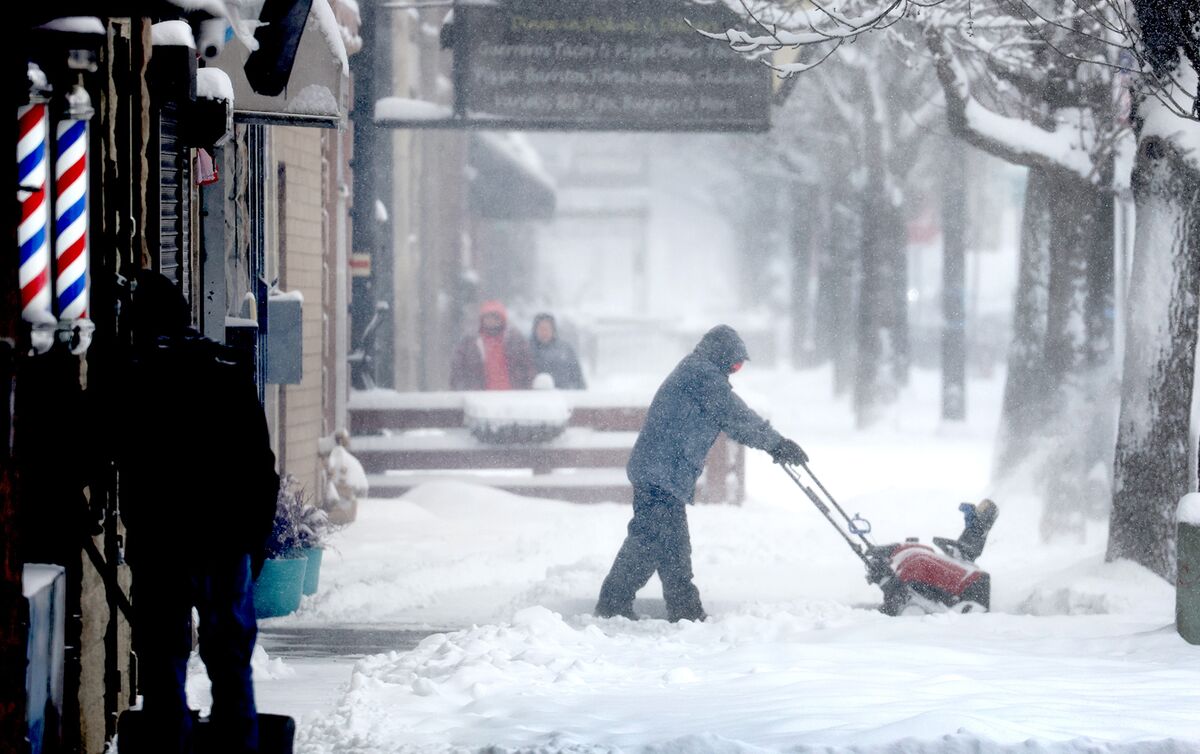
column 408, row 435
column 376, row 411
column 571, row 485
column 458, row 449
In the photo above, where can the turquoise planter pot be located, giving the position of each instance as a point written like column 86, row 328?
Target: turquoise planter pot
column 278, row 588
column 312, row 574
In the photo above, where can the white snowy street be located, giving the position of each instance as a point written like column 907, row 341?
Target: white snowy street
column 1078, row 655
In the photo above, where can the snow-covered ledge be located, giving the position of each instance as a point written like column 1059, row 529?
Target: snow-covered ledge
column 172, row 34
column 405, row 109
column 213, row 83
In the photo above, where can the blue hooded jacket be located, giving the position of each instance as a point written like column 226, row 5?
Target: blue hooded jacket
column 692, row 406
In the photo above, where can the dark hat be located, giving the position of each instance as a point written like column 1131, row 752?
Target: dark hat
column 157, row 306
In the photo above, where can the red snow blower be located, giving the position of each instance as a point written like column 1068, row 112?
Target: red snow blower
column 915, row 578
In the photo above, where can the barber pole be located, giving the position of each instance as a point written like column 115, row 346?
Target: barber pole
column 71, row 214
column 33, row 232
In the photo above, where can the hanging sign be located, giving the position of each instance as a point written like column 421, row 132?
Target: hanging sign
column 605, row 65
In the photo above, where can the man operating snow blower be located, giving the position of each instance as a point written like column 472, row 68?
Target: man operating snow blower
column 692, row 406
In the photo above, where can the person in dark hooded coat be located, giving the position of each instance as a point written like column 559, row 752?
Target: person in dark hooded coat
column 554, row 357
column 198, row 497
column 692, row 406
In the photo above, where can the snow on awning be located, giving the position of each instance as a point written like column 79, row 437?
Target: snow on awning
column 76, row 25
column 317, row 94
column 168, row 33
column 214, row 83
column 509, row 181
column 349, row 22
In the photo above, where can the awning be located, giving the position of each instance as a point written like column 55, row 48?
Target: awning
column 317, row 94
column 508, row 181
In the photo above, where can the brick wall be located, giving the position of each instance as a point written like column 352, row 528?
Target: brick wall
column 302, row 244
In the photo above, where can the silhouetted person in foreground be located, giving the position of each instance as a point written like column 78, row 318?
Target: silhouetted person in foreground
column 554, row 357
column 198, row 495
column 693, row 405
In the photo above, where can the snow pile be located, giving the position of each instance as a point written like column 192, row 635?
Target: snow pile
column 166, row 33
column 263, row 667
column 1093, row 587
column 815, row 674
column 516, row 415
column 279, row 294
column 313, row 99
column 1189, row 509
column 449, row 553
column 346, row 474
column 213, row 83
column 267, row 668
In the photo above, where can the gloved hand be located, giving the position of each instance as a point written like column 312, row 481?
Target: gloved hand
column 787, row 451
column 969, row 514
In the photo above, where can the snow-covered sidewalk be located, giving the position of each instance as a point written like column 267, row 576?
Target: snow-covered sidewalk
column 774, row 677
column 1079, row 656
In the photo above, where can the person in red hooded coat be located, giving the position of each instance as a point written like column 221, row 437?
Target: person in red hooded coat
column 495, row 359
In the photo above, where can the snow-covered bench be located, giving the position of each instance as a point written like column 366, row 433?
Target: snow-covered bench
column 405, row 439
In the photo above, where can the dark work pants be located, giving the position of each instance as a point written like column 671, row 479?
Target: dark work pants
column 164, row 594
column 658, row 540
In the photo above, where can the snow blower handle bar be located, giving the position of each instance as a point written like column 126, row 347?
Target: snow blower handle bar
column 852, row 525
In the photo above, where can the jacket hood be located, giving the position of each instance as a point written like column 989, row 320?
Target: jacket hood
column 157, row 307
column 723, row 347
column 493, row 307
column 543, row 317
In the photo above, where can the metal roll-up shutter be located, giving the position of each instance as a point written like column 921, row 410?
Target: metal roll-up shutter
column 174, row 201
column 171, row 171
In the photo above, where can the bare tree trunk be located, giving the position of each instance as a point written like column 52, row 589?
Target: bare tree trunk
column 803, row 217
column 1151, row 470
column 896, row 250
column 1100, row 306
column 1026, row 379
column 837, row 293
column 881, row 359
column 882, row 321
column 1060, row 359
column 872, row 305
column 1066, row 446
column 954, row 314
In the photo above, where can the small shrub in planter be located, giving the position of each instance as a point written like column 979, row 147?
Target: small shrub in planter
column 278, row 588
column 314, row 530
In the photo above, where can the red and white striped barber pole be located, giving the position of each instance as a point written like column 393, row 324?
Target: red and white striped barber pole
column 71, row 283
column 33, row 231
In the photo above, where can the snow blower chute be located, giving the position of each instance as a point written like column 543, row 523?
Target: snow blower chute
column 915, row 578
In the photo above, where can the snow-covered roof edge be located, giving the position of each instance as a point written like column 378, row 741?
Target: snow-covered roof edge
column 76, row 25
column 328, row 25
